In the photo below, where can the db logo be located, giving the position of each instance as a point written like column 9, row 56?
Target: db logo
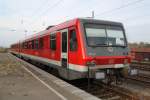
column 36, row 53
column 53, row 55
column 110, row 49
column 111, row 61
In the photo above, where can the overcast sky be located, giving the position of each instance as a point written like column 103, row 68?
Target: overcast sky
column 16, row 16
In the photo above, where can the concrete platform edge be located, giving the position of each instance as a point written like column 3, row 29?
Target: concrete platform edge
column 72, row 89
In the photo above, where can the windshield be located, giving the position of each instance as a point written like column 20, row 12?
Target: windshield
column 103, row 36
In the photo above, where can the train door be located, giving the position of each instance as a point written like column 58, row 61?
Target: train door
column 64, row 48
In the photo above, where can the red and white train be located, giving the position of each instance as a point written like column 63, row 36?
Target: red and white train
column 78, row 46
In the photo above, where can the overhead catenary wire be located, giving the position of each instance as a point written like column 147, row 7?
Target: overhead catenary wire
column 36, row 11
column 53, row 6
column 110, row 11
column 118, row 8
column 101, row 14
column 32, row 24
column 135, row 17
column 132, row 17
column 40, row 7
column 48, row 9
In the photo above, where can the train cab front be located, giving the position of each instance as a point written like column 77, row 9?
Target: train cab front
column 106, row 49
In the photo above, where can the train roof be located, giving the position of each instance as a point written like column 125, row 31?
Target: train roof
column 97, row 21
column 68, row 24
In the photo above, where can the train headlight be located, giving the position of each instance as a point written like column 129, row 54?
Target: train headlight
column 91, row 63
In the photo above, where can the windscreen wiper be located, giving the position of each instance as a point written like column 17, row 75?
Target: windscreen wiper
column 102, row 44
column 117, row 45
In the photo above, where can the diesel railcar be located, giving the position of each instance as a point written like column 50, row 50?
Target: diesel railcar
column 79, row 48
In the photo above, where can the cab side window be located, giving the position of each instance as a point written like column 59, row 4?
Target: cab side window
column 73, row 40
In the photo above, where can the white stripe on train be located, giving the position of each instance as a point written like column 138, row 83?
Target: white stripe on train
column 75, row 67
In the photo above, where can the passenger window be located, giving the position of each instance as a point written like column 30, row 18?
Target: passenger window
column 29, row 44
column 36, row 44
column 26, row 45
column 53, row 41
column 41, row 43
column 32, row 44
column 73, row 40
column 22, row 45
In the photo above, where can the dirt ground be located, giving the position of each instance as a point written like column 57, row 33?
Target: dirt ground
column 140, row 90
column 17, row 84
column 3, row 50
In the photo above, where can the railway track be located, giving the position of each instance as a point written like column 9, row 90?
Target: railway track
column 105, row 92
column 97, row 88
column 144, row 79
column 143, row 73
column 140, row 66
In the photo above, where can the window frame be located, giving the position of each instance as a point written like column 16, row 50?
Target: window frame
column 32, row 43
column 41, row 43
column 53, row 40
column 69, row 41
column 105, row 26
column 36, row 43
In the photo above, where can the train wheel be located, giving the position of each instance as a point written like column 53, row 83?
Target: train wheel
column 108, row 79
column 119, row 76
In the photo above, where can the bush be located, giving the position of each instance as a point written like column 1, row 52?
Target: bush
column 3, row 50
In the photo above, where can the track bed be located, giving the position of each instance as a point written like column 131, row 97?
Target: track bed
column 129, row 90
